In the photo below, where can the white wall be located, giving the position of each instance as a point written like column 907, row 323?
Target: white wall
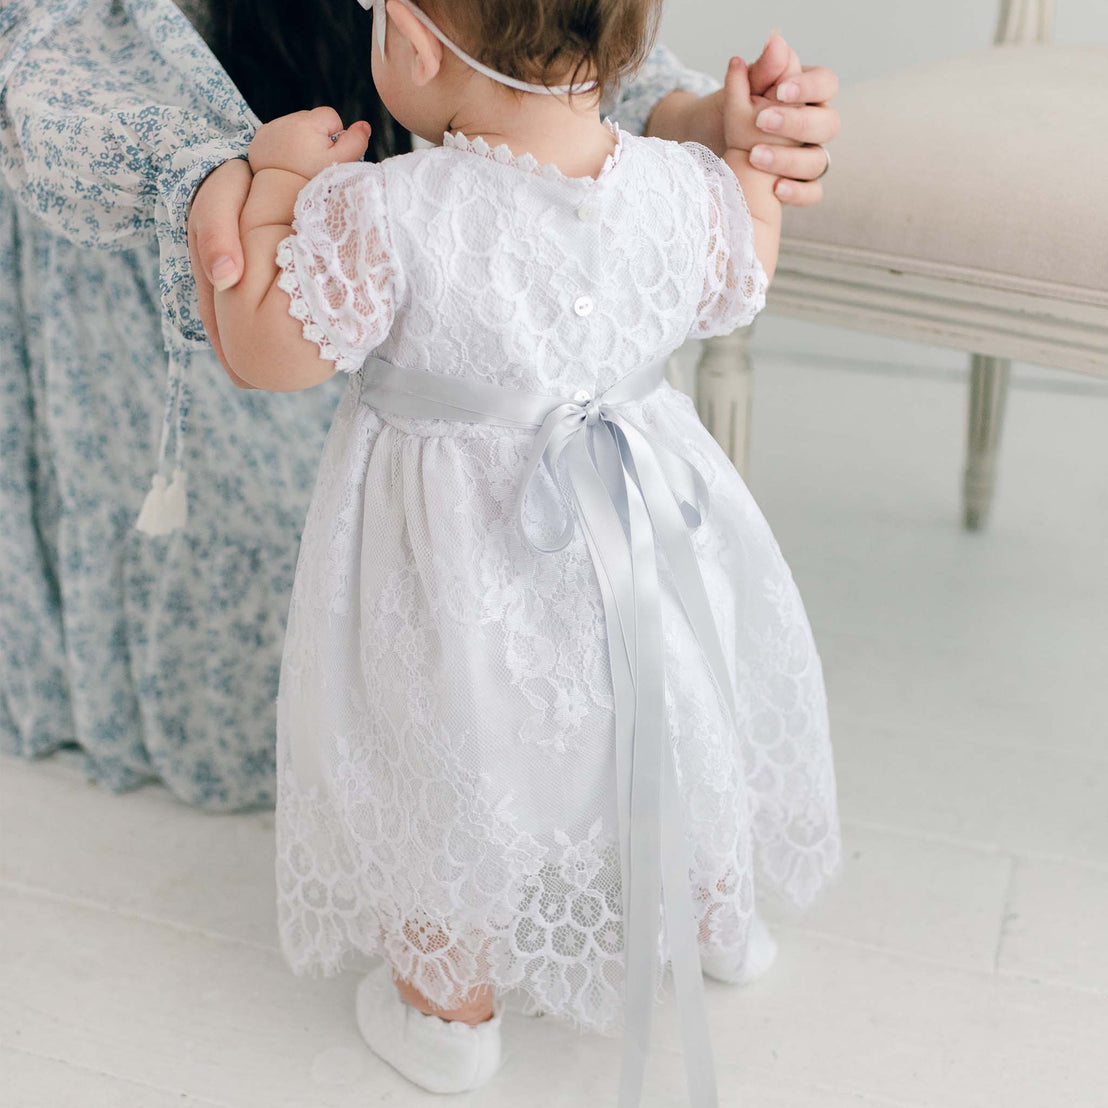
column 858, row 38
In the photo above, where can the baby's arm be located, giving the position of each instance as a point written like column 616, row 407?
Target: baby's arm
column 263, row 343
column 757, row 186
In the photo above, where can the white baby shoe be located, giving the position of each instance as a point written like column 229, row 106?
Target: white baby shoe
column 440, row 1056
column 761, row 952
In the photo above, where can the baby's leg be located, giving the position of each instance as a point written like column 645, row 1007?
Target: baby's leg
column 761, row 947
column 476, row 1008
column 444, row 1051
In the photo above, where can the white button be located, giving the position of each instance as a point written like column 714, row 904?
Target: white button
column 582, row 396
column 586, row 213
column 583, row 305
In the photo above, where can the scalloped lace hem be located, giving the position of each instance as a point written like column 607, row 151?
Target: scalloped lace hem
column 551, row 934
column 588, row 997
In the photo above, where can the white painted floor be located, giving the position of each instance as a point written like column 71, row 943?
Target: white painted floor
column 961, row 961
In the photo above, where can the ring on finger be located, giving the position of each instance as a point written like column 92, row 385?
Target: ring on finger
column 827, row 155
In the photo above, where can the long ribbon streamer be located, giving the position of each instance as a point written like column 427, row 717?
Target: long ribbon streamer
column 630, row 496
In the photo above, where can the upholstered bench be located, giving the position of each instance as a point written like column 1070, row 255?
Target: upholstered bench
column 966, row 207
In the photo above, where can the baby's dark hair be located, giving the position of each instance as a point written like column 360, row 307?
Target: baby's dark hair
column 552, row 42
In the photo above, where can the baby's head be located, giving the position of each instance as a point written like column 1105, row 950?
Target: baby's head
column 584, row 44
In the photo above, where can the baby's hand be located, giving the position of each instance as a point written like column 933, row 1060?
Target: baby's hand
column 757, row 185
column 740, row 109
column 302, row 142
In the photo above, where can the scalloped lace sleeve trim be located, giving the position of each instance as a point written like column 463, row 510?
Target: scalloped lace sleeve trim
column 289, row 282
column 735, row 283
column 338, row 266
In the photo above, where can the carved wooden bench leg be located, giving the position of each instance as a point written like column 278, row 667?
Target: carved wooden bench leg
column 724, row 391
column 988, row 391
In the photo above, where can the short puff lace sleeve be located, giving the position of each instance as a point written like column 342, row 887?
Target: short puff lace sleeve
column 734, row 281
column 338, row 266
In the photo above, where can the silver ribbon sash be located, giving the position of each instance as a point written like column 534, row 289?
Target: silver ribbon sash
column 629, row 495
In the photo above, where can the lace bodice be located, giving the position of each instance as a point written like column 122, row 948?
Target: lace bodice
column 466, row 260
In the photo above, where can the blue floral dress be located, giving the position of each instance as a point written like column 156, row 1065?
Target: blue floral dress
column 157, row 656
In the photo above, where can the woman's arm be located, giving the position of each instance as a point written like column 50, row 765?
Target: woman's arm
column 660, row 76
column 110, row 121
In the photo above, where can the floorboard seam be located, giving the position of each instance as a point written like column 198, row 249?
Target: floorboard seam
column 127, row 1080
column 1005, row 912
column 935, row 838
column 879, row 1100
column 978, row 845
column 923, row 960
column 912, row 731
column 110, row 909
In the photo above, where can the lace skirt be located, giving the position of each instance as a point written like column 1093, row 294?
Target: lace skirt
column 446, row 766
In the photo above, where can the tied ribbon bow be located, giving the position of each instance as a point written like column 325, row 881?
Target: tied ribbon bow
column 630, row 496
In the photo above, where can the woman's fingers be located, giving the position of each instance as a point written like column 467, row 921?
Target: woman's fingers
column 215, row 249
column 799, row 194
column 759, row 104
column 801, row 163
column 815, row 84
column 812, row 123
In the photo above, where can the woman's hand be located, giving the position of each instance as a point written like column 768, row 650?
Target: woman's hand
column 791, row 118
column 797, row 111
column 308, row 142
column 215, row 250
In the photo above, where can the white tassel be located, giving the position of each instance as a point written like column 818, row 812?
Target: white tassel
column 165, row 508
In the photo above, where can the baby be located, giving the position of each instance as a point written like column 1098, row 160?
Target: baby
column 538, row 708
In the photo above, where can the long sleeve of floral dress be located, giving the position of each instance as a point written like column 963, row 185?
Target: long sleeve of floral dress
column 111, row 114
column 158, row 657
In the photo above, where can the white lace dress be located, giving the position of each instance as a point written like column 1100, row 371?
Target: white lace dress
column 446, row 789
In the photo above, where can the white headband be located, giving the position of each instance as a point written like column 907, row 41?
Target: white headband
column 379, row 22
